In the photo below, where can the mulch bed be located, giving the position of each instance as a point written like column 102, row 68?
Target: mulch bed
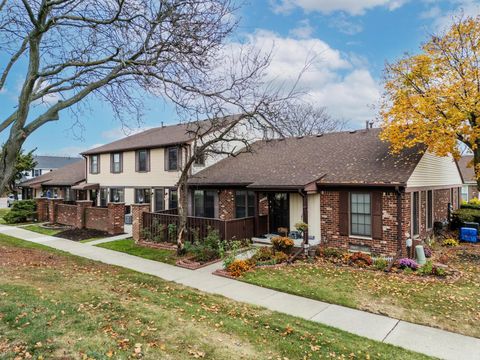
column 224, row 273
column 159, row 245
column 82, row 234
column 190, row 263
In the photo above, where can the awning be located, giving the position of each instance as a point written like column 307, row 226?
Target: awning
column 85, row 186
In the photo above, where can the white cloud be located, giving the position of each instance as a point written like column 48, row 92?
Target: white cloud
column 73, row 151
column 303, row 31
column 339, row 81
column 344, row 25
column 352, row 7
column 441, row 21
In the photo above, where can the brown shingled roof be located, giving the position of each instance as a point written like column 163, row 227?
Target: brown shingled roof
column 67, row 175
column 468, row 174
column 358, row 157
column 157, row 137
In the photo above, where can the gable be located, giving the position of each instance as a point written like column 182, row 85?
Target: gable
column 434, row 170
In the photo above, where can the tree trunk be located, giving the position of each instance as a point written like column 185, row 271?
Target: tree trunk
column 476, row 164
column 9, row 158
column 182, row 192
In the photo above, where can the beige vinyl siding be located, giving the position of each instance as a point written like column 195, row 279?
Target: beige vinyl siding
column 314, row 216
column 296, row 209
column 434, row 170
column 157, row 176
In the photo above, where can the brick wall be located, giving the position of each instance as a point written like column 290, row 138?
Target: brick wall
column 262, row 204
column 472, row 192
column 137, row 220
column 386, row 246
column 96, row 218
column 66, row 214
column 42, row 209
column 116, row 218
column 226, row 204
column 441, row 199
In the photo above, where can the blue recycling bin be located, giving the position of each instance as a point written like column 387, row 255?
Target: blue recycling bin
column 468, row 234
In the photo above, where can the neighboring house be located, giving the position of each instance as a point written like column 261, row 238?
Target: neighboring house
column 469, row 187
column 45, row 164
column 58, row 183
column 144, row 167
column 347, row 186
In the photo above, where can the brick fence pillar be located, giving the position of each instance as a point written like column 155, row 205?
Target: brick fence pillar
column 226, row 205
column 52, row 209
column 42, row 209
column 81, row 206
column 116, row 218
column 137, row 220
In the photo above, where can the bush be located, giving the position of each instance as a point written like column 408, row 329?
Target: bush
column 406, row 263
column 301, row 226
column 380, row 264
column 238, row 267
column 229, row 254
column 209, row 249
column 280, row 257
column 427, row 251
column 450, row 242
column 463, row 215
column 360, row 259
column 472, row 204
column 22, row 211
column 426, row 269
column 263, row 254
column 282, row 243
column 331, row 253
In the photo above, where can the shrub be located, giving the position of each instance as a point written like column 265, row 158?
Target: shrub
column 407, row 263
column 427, row 251
column 280, row 257
column 282, row 243
column 331, row 253
column 380, row 264
column 360, row 259
column 440, row 271
column 207, row 250
column 463, row 215
column 228, row 254
column 263, row 254
column 22, row 211
column 238, row 267
column 450, row 242
column 426, row 269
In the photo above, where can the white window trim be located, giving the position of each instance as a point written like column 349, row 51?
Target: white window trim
column 353, row 236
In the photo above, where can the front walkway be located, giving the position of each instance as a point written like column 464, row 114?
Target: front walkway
column 423, row 339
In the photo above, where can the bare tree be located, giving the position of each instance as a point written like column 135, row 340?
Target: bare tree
column 113, row 50
column 299, row 118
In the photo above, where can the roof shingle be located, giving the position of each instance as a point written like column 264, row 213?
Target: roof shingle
column 358, row 157
column 65, row 176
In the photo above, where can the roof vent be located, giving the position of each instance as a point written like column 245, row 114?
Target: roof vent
column 319, row 135
column 299, row 137
column 352, row 131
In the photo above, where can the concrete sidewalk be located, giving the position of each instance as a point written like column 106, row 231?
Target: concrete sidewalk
column 423, row 339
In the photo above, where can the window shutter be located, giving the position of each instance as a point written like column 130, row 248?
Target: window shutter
column 136, row 161
column 377, row 215
column 343, row 213
column 111, row 163
column 180, row 158
column 165, row 160
column 121, row 162
column 148, row 159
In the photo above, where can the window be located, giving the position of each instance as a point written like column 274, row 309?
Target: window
column 415, row 213
column 172, row 163
column 117, row 195
column 159, row 199
column 172, row 199
column 465, row 193
column 103, row 197
column 142, row 160
column 204, row 203
column 244, row 204
column 116, row 162
column 94, row 164
column 69, row 194
column 142, row 196
column 429, row 209
column 37, row 172
column 360, row 214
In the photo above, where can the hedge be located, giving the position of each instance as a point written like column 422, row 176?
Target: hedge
column 22, row 211
column 463, row 215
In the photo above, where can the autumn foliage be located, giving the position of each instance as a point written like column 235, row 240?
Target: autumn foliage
column 432, row 98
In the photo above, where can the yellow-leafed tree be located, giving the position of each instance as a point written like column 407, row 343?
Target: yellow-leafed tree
column 434, row 97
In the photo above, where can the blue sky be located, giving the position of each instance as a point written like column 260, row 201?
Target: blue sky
column 351, row 41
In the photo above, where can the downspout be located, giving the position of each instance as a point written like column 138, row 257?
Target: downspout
column 305, row 217
column 399, row 221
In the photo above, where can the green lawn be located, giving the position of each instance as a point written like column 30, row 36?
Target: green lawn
column 128, row 246
column 57, row 306
column 41, row 230
column 451, row 306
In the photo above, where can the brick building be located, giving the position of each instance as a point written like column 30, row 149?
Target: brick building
column 469, row 187
column 347, row 186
